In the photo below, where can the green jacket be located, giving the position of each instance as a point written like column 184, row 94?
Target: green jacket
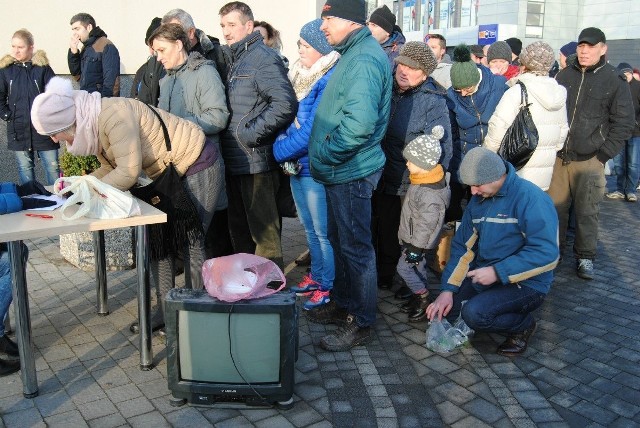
column 353, row 113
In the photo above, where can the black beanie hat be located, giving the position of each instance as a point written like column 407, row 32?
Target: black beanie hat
column 351, row 10
column 515, row 44
column 155, row 23
column 383, row 18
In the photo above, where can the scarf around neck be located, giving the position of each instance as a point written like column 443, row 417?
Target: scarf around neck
column 88, row 107
column 303, row 78
column 428, row 177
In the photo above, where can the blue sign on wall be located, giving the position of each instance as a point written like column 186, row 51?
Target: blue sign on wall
column 487, row 34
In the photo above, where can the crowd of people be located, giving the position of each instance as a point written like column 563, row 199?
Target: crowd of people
column 380, row 141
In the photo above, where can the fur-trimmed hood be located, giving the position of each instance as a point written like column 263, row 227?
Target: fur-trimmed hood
column 39, row 58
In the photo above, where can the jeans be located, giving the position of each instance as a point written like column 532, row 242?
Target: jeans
column 5, row 284
column 501, row 308
column 311, row 204
column 627, row 168
column 349, row 225
column 26, row 165
column 386, row 221
column 254, row 221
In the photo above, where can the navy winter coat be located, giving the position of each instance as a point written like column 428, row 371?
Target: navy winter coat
column 471, row 114
column 20, row 83
column 261, row 102
column 414, row 112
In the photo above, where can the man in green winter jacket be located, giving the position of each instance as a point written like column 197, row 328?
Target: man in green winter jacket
column 345, row 155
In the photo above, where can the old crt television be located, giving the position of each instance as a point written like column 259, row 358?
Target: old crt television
column 238, row 354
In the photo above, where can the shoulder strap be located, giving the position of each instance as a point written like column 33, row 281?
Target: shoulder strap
column 524, row 98
column 167, row 141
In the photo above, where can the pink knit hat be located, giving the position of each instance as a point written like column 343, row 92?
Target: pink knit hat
column 54, row 110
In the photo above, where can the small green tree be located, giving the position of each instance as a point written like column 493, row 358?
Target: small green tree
column 77, row 165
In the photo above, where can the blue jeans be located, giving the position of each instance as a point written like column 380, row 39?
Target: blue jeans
column 504, row 309
column 349, row 226
column 626, row 166
column 5, row 284
column 311, row 203
column 26, row 165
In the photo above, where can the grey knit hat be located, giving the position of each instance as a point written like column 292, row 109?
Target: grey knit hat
column 481, row 166
column 424, row 151
column 538, row 57
column 499, row 50
column 418, row 55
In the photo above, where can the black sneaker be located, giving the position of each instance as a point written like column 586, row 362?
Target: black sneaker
column 346, row 337
column 8, row 350
column 8, row 367
column 327, row 314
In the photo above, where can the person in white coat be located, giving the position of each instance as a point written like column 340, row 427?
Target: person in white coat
column 548, row 107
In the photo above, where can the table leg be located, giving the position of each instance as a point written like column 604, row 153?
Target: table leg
column 144, row 297
column 101, row 272
column 23, row 321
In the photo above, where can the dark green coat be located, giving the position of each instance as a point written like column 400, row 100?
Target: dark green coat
column 353, row 113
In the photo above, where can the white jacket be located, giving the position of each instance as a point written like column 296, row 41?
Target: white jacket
column 548, row 108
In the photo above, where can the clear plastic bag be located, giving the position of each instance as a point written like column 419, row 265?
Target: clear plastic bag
column 443, row 337
column 241, row 276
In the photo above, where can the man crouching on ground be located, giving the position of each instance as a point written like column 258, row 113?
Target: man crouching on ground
column 503, row 254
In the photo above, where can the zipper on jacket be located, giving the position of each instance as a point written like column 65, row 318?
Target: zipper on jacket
column 573, row 115
column 10, row 85
column 37, row 86
column 479, row 119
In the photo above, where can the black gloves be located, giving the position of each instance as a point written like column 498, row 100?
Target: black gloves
column 31, row 203
column 413, row 255
column 32, row 188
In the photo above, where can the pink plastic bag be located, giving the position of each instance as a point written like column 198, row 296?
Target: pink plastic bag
column 241, row 276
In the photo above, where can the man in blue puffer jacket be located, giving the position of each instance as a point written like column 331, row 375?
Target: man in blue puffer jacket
column 502, row 255
column 345, row 155
column 474, row 94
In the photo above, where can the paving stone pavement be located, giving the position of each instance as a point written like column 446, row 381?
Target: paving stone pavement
column 582, row 368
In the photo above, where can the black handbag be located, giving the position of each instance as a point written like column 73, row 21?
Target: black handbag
column 521, row 139
column 167, row 193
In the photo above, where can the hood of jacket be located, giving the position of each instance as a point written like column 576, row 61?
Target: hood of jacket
column 396, row 38
column 39, row 58
column 194, row 61
column 544, row 89
column 94, row 35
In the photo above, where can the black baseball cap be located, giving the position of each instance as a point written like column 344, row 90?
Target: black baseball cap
column 477, row 50
column 592, row 36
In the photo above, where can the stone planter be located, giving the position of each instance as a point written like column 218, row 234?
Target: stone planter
column 77, row 248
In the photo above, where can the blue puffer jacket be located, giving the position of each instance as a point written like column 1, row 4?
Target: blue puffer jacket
column 97, row 66
column 294, row 142
column 261, row 102
column 515, row 231
column 353, row 113
column 10, row 202
column 20, row 83
column 471, row 114
column 414, row 112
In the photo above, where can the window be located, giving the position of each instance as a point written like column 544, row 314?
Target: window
column 535, row 18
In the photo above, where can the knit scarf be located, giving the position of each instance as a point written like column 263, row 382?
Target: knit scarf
column 88, row 107
column 303, row 78
column 428, row 177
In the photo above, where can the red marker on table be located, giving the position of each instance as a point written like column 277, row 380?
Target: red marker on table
column 47, row 216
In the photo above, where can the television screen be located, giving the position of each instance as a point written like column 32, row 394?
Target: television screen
column 219, row 352
column 228, row 347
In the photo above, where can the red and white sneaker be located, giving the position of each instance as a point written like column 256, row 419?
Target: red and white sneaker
column 306, row 286
column 318, row 298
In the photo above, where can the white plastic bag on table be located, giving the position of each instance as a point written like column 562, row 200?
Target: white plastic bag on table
column 443, row 337
column 96, row 199
column 241, row 276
